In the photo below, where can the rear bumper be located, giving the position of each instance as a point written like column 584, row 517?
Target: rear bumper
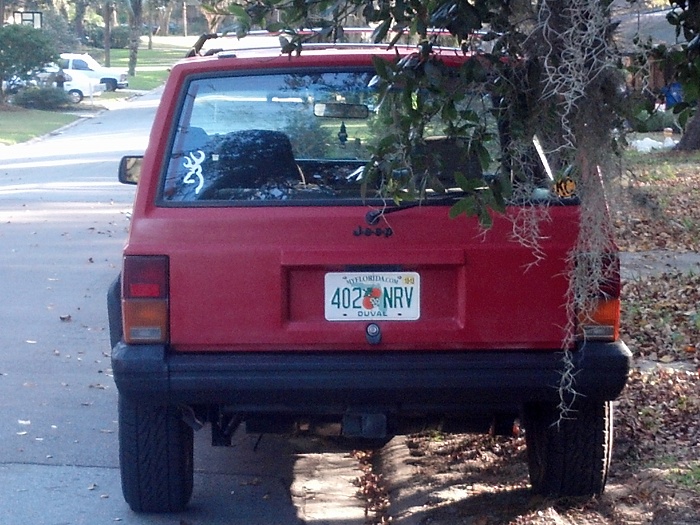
column 428, row 383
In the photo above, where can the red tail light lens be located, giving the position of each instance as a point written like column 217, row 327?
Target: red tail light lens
column 145, row 277
column 145, row 299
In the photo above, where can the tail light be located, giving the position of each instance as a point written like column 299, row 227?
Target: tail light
column 601, row 321
column 145, row 299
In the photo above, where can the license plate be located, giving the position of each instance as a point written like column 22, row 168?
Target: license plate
column 391, row 296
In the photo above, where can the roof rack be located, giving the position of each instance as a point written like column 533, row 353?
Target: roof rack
column 196, row 49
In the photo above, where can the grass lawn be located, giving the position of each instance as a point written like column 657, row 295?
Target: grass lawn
column 20, row 125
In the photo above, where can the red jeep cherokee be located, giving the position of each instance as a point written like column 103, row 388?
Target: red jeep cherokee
column 261, row 285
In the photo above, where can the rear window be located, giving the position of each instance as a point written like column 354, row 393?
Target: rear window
column 281, row 139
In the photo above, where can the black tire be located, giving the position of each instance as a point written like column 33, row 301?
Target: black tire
column 110, row 84
column 76, row 96
column 155, row 456
column 571, row 458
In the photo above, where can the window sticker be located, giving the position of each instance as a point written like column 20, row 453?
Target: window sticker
column 193, row 163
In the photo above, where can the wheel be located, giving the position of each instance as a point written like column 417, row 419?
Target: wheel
column 570, row 458
column 75, row 96
column 155, row 457
column 110, row 84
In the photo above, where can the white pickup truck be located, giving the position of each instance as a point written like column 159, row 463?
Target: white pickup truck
column 111, row 77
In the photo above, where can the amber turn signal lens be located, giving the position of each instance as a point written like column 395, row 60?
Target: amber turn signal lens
column 145, row 320
column 603, row 323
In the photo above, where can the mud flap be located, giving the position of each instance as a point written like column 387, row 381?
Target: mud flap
column 368, row 426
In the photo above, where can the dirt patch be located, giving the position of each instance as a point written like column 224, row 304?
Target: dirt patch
column 661, row 318
column 443, row 479
column 656, row 205
column 8, row 107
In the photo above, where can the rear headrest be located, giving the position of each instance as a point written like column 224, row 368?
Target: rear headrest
column 235, row 161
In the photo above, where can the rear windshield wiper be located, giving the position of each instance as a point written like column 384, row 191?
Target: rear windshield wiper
column 372, row 216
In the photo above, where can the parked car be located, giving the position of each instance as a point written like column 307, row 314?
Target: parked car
column 14, row 84
column 266, row 284
column 111, row 77
column 76, row 83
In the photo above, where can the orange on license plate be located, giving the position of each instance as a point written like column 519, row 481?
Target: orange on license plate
column 392, row 296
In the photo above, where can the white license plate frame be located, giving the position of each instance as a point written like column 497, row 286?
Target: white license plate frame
column 366, row 296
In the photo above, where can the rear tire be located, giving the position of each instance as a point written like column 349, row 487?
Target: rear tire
column 571, row 458
column 155, row 456
column 75, row 96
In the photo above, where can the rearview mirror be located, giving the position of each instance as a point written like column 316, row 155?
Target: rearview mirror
column 339, row 110
column 130, row 169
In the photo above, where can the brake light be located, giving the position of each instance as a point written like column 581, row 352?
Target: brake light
column 602, row 320
column 145, row 295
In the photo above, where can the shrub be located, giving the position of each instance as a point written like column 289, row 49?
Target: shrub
column 47, row 98
column 645, row 122
column 23, row 52
column 119, row 37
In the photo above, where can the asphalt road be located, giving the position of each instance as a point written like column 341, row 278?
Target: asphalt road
column 63, row 222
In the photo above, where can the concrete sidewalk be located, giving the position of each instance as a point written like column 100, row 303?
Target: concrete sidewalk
column 635, row 265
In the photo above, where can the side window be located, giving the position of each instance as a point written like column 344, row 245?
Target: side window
column 63, row 63
column 80, row 64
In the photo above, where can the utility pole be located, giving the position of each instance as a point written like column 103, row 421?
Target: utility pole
column 184, row 17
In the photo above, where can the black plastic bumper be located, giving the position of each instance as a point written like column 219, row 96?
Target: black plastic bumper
column 396, row 382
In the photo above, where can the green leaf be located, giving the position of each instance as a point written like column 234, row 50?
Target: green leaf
column 396, row 38
column 484, row 155
column 485, row 218
column 236, row 10
column 449, row 112
column 467, row 185
column 388, row 142
column 379, row 34
column 274, row 27
column 466, row 206
column 382, row 69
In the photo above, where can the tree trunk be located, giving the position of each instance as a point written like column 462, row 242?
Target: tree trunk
column 164, row 17
column 135, row 24
column 691, row 138
column 78, row 25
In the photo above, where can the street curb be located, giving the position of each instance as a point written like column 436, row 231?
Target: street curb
column 406, row 495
